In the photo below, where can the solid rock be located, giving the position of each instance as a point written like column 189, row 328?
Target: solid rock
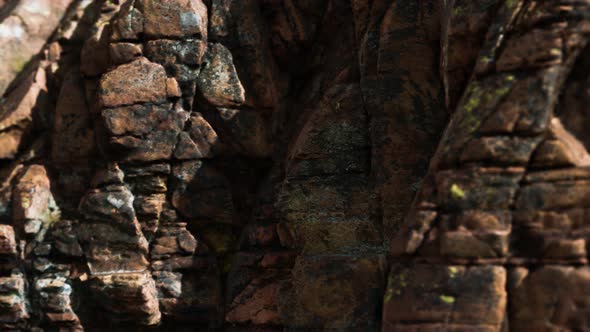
column 562, row 149
column 121, row 53
column 464, row 24
column 17, row 111
column 113, row 203
column 172, row 88
column 64, row 238
column 554, row 195
column 138, row 120
column 218, row 81
column 478, row 188
column 468, row 296
column 34, row 205
column 535, row 49
column 338, row 298
column 55, row 304
column 8, row 252
column 157, row 125
column 111, row 174
column 13, row 307
column 500, row 150
column 95, row 55
column 128, row 24
column 177, row 18
column 256, row 304
column 551, row 297
column 169, row 52
column 199, row 142
column 129, row 297
column 140, row 81
column 24, row 32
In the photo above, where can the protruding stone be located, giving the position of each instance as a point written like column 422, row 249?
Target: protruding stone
column 8, row 251
column 24, row 32
column 17, row 111
column 128, row 24
column 13, row 306
column 128, row 297
column 219, row 82
column 34, row 206
column 177, row 18
column 140, row 81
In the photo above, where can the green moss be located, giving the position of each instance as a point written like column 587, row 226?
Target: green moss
column 457, row 192
column 453, row 271
column 447, row 299
column 395, row 285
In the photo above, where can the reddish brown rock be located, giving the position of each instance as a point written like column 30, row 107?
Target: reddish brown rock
column 18, row 109
column 199, row 142
column 337, row 298
column 552, row 297
column 24, row 32
column 464, row 26
column 13, row 307
column 218, row 81
column 129, row 297
column 121, row 53
column 474, row 297
column 140, row 81
column 256, row 304
column 73, row 133
column 178, row 18
column 34, row 206
column 8, row 251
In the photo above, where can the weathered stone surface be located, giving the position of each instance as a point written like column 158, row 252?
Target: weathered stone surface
column 168, row 52
column 24, row 32
column 140, row 81
column 120, row 53
column 128, row 297
column 34, row 205
column 199, row 142
column 337, row 298
column 429, row 294
column 144, row 132
column 464, row 25
column 202, row 193
column 552, row 297
column 73, row 135
column 128, row 23
column 111, row 234
column 178, row 18
column 218, row 81
column 243, row 165
column 257, row 304
column 13, row 301
column 8, row 251
column 17, row 111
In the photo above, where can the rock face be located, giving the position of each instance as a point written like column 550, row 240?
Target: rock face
column 249, row 165
column 504, row 190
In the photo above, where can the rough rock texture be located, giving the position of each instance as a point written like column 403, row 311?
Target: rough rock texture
column 507, row 188
column 261, row 165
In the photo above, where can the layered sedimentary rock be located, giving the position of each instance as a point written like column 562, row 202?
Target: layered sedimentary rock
column 269, row 165
column 507, row 188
